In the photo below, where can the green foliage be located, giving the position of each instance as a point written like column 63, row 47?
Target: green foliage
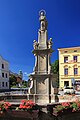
column 75, row 105
column 26, row 83
column 12, row 80
column 55, row 67
column 24, row 86
column 55, row 71
column 14, row 86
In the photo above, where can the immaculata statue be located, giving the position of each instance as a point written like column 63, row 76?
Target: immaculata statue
column 42, row 77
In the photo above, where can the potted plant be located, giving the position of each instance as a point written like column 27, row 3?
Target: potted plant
column 66, row 107
column 27, row 109
column 76, row 106
column 4, row 107
column 61, row 107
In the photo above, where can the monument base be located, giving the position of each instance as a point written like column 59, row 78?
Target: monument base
column 43, row 98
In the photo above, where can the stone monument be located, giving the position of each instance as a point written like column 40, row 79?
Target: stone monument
column 42, row 77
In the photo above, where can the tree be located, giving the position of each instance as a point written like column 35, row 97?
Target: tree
column 24, row 83
column 55, row 67
column 55, row 71
column 12, row 80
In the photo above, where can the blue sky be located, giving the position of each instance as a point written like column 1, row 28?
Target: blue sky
column 19, row 26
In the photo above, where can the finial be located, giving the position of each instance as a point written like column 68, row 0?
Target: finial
column 42, row 12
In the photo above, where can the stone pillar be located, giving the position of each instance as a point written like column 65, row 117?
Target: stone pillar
column 42, row 70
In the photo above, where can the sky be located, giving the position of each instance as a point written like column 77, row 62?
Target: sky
column 19, row 25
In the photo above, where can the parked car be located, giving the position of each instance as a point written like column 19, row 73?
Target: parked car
column 69, row 90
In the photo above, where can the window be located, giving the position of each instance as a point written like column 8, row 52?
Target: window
column 65, row 51
column 75, row 71
column 2, row 65
column 75, row 50
column 75, row 58
column 6, row 84
column 65, row 59
column 2, row 74
column 6, row 75
column 66, row 83
column 2, row 84
column 65, row 71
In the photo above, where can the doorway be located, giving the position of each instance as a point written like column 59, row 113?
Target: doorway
column 66, row 83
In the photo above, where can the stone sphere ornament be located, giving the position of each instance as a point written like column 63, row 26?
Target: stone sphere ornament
column 42, row 12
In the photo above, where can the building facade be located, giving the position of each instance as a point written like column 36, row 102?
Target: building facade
column 4, row 74
column 69, row 67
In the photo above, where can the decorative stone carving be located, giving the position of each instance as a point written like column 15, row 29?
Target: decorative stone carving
column 35, row 44
column 50, row 43
column 43, row 25
column 43, row 21
column 31, row 85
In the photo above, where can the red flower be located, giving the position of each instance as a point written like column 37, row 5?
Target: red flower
column 4, row 106
column 23, row 101
column 26, row 104
column 65, row 104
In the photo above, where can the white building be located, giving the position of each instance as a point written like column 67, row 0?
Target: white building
column 4, row 74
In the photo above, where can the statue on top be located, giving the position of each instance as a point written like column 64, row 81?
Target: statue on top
column 35, row 44
column 50, row 43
